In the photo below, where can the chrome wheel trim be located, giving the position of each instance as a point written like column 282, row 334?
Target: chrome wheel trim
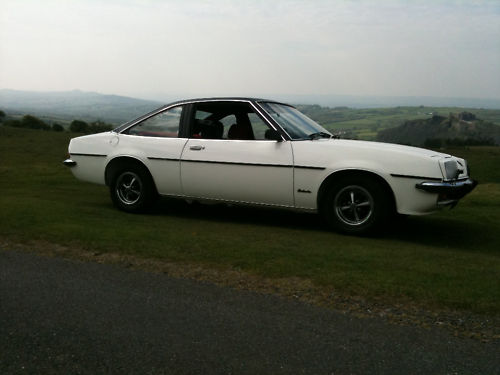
column 129, row 188
column 353, row 205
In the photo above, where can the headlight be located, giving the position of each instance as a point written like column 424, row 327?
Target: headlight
column 454, row 168
column 451, row 169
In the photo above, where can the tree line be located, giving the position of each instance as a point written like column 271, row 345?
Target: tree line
column 435, row 143
column 76, row 126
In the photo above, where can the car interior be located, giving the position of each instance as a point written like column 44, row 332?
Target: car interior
column 223, row 120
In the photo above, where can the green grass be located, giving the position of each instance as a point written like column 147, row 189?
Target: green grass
column 449, row 260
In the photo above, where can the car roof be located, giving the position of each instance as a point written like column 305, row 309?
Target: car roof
column 192, row 101
column 223, row 98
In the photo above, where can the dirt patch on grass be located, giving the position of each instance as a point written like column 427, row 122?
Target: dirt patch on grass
column 459, row 323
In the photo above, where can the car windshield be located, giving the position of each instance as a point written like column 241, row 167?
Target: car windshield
column 295, row 123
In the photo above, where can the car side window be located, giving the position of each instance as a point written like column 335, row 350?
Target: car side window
column 200, row 115
column 258, row 125
column 227, row 120
column 164, row 124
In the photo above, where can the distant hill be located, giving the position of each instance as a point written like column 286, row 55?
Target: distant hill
column 87, row 106
column 357, row 123
column 456, row 129
column 356, row 101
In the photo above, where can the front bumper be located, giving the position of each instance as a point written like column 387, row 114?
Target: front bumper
column 449, row 191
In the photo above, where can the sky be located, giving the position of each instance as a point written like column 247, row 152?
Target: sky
column 187, row 48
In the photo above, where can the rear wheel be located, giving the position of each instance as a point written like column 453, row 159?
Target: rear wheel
column 356, row 205
column 132, row 189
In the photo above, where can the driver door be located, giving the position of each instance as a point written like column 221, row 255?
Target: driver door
column 222, row 167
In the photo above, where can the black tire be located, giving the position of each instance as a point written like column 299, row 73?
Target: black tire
column 356, row 205
column 132, row 189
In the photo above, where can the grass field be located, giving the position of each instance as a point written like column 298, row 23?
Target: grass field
column 364, row 123
column 447, row 260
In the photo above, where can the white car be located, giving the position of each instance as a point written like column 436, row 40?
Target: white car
column 261, row 152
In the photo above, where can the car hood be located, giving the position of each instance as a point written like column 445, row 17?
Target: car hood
column 384, row 158
column 387, row 147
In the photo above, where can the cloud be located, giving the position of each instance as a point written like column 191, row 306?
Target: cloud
column 221, row 47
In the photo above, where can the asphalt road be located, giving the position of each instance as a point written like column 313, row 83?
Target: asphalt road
column 68, row 317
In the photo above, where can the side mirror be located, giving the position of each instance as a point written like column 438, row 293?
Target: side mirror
column 273, row 135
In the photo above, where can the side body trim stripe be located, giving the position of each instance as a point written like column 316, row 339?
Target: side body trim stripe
column 95, row 155
column 167, row 159
column 240, row 163
column 416, row 177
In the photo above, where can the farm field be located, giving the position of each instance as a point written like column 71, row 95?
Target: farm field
column 364, row 123
column 449, row 260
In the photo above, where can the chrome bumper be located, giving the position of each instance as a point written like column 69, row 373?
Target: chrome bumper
column 449, row 191
column 69, row 163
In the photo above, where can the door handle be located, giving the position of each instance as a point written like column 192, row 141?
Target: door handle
column 197, row 148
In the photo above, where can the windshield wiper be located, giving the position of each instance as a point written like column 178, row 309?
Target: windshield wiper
column 319, row 135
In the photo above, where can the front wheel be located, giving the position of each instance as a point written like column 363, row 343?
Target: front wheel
column 356, row 205
column 132, row 189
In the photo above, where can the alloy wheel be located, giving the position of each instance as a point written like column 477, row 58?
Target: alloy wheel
column 353, row 205
column 129, row 188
